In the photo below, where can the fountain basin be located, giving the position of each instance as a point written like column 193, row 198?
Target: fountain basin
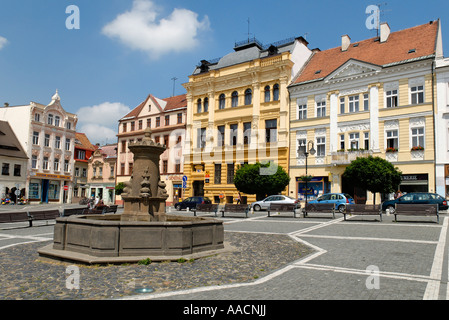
column 99, row 239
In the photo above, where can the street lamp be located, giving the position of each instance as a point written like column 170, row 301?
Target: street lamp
column 307, row 151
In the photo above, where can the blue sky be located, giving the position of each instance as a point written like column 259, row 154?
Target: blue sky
column 126, row 49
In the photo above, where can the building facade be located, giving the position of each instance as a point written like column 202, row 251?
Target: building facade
column 237, row 113
column 442, row 127
column 102, row 173
column 167, row 120
column 372, row 97
column 83, row 152
column 47, row 134
column 14, row 162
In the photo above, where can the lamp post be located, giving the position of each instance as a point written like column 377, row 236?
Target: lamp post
column 306, row 152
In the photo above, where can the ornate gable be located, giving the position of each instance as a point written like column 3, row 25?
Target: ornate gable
column 353, row 69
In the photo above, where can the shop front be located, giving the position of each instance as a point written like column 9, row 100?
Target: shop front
column 414, row 183
column 313, row 188
column 48, row 188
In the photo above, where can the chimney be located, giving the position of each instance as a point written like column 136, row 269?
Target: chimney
column 345, row 42
column 384, row 32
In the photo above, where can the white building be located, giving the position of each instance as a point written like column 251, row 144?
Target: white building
column 47, row 133
column 13, row 161
column 442, row 127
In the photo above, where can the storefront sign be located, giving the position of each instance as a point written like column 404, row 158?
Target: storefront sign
column 52, row 176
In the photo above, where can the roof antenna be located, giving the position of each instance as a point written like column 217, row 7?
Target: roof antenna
column 174, row 81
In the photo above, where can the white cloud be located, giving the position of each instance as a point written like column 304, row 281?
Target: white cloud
column 139, row 29
column 100, row 122
column 3, row 42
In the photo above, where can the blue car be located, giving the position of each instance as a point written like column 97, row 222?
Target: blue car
column 416, row 198
column 340, row 200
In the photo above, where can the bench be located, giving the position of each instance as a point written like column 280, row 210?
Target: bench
column 43, row 215
column 416, row 210
column 205, row 208
column 73, row 211
column 282, row 207
column 363, row 209
column 18, row 216
column 235, row 208
column 24, row 216
column 111, row 209
column 319, row 207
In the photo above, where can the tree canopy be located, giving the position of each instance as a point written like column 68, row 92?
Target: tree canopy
column 261, row 179
column 374, row 174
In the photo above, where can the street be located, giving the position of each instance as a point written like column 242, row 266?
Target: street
column 360, row 259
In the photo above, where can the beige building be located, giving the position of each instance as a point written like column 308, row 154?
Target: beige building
column 370, row 97
column 47, row 134
column 102, row 173
column 167, row 119
column 237, row 113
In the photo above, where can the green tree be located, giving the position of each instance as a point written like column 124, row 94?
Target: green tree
column 374, row 174
column 119, row 188
column 261, row 179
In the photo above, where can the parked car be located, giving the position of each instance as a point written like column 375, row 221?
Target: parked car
column 191, row 203
column 416, row 198
column 340, row 200
column 265, row 203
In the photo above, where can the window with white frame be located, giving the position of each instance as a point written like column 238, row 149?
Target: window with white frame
column 50, row 119
column 392, row 139
column 417, row 94
column 66, row 165
column 391, row 98
column 366, row 140
column 418, row 137
column 342, row 105
column 45, row 163
column 321, row 146
column 342, row 142
column 47, row 140
column 37, row 117
column 302, row 111
column 354, row 140
column 321, row 109
column 56, row 164
column 34, row 162
column 366, row 102
column 58, row 142
column 354, row 103
column 301, row 147
column 67, row 144
column 35, row 138
column 57, row 121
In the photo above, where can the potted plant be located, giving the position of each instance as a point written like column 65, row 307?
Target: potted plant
column 391, row 149
column 417, row 148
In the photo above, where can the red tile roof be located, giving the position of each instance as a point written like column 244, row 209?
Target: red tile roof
column 175, row 102
column 84, row 142
column 396, row 49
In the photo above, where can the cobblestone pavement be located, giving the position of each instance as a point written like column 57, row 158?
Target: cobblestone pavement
column 315, row 258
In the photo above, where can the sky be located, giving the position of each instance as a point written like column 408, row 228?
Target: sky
column 106, row 56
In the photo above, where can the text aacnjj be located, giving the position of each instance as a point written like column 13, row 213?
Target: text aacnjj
column 247, row 309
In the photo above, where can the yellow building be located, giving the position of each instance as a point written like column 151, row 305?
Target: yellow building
column 237, row 113
column 371, row 97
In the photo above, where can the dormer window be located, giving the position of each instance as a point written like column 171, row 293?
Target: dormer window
column 318, row 72
column 412, row 51
column 50, row 119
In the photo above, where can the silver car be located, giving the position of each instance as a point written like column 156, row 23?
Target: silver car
column 265, row 203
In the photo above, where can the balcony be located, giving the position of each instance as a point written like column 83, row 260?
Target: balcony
column 346, row 157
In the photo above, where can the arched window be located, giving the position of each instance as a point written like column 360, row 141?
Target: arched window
column 206, row 104
column 235, row 99
column 276, row 92
column 248, row 97
column 221, row 101
column 267, row 94
column 199, row 108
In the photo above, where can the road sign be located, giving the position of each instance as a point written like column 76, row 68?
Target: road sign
column 66, row 188
column 184, row 185
column 184, row 178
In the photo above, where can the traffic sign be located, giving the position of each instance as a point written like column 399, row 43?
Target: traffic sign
column 184, row 178
column 184, row 185
column 66, row 188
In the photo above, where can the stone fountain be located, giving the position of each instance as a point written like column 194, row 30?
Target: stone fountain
column 143, row 230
